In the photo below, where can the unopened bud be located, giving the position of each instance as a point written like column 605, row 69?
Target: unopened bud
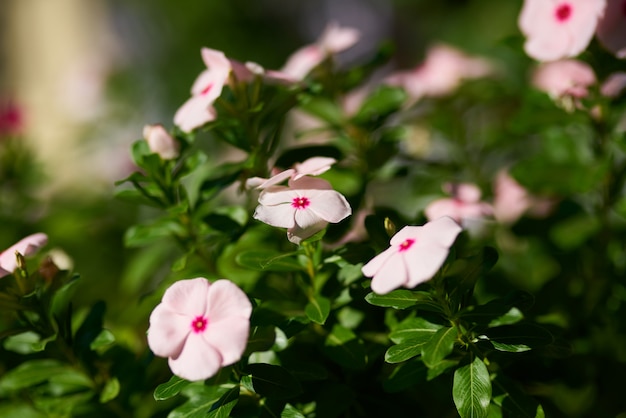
column 390, row 227
column 161, row 142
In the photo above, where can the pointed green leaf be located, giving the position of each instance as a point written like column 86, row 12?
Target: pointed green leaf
column 402, row 299
column 440, row 345
column 440, row 368
column 345, row 348
column 471, row 390
column 110, row 391
column 406, row 350
column 291, row 412
column 273, row 381
column 317, row 309
column 170, row 388
column 30, row 373
column 413, row 328
column 268, row 260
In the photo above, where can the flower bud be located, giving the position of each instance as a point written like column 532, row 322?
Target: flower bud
column 160, row 141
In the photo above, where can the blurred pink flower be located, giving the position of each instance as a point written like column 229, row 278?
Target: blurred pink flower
column 511, row 200
column 207, row 87
column 11, row 122
column 305, row 207
column 442, row 71
column 414, row 256
column 464, row 205
column 614, row 85
column 313, row 166
column 564, row 78
column 333, row 40
column 200, row 327
column 26, row 246
column 556, row 29
column 611, row 31
column 160, row 141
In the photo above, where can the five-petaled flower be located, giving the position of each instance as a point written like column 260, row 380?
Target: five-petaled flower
column 26, row 246
column 556, row 29
column 305, row 207
column 200, row 327
column 414, row 256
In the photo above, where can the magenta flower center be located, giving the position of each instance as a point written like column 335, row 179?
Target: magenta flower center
column 199, row 324
column 207, row 89
column 406, row 244
column 563, row 12
column 300, row 202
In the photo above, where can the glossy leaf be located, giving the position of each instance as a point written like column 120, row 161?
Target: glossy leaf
column 413, row 328
column 402, row 299
column 268, row 260
column 170, row 388
column 471, row 390
column 439, row 346
column 409, row 348
column 317, row 309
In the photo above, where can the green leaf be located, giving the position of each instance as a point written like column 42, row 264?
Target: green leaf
column 27, row 342
column 317, row 309
column 345, row 348
column 324, row 109
column 30, row 373
column 110, row 391
column 406, row 350
column 471, row 390
column 262, row 338
column 273, row 381
column 520, row 337
column 406, row 375
column 440, row 368
column 291, row 412
column 413, row 328
column 139, row 235
column 215, row 401
column 225, row 404
column 513, row 400
column 439, row 347
column 170, row 388
column 402, row 299
column 103, row 339
column 380, row 104
column 268, row 260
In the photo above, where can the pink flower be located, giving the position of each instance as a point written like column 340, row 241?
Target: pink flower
column 160, row 141
column 442, row 71
column 26, row 246
column 198, row 109
column 464, row 205
column 511, row 200
column 313, row 166
column 565, row 78
column 414, row 256
column 200, row 327
column 556, row 29
column 333, row 40
column 613, row 85
column 611, row 31
column 304, row 208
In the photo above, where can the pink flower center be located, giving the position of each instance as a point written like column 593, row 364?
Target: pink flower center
column 300, row 202
column 199, row 324
column 563, row 12
column 207, row 89
column 406, row 244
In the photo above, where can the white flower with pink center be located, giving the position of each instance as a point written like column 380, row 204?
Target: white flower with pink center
column 556, row 29
column 200, row 327
column 207, row 87
column 304, row 208
column 415, row 255
column 26, row 246
column 464, row 205
column 611, row 31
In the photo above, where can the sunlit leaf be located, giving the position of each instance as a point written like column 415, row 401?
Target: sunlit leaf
column 471, row 390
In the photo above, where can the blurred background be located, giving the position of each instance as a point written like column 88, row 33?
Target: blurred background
column 81, row 79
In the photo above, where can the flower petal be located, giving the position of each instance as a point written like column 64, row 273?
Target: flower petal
column 328, row 205
column 296, row 234
column 187, row 297
column 194, row 113
column 229, row 337
column 26, row 246
column 167, row 332
column 423, row 260
column 313, row 166
column 226, row 299
column 391, row 275
column 442, row 232
column 376, row 263
column 198, row 360
column 281, row 215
